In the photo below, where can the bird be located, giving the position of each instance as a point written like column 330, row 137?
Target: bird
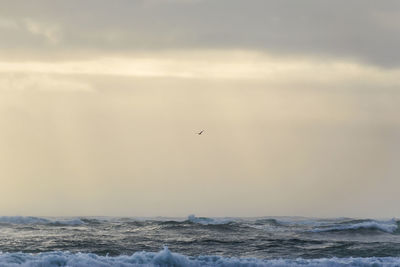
column 199, row 133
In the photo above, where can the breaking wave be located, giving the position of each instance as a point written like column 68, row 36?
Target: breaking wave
column 38, row 220
column 166, row 258
column 383, row 226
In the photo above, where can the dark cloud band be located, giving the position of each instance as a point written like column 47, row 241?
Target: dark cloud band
column 362, row 30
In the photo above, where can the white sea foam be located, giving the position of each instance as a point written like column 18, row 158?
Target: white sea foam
column 385, row 226
column 167, row 258
column 38, row 220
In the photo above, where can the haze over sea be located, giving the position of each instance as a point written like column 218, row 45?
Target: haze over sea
column 198, row 241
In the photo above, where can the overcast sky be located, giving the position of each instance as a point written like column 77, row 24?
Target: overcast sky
column 100, row 102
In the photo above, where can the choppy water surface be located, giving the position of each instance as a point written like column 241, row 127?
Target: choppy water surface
column 194, row 241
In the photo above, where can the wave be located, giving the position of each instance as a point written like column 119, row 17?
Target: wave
column 38, row 220
column 268, row 221
column 166, row 258
column 383, row 226
column 208, row 221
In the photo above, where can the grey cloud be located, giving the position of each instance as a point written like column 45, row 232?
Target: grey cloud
column 357, row 29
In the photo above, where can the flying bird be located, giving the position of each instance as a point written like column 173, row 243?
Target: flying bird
column 199, row 133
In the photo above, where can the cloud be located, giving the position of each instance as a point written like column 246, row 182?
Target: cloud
column 50, row 32
column 41, row 82
column 362, row 30
column 24, row 32
column 228, row 65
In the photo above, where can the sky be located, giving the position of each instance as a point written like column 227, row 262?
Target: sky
column 100, row 103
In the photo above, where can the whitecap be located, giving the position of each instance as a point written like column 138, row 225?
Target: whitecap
column 167, row 258
column 385, row 226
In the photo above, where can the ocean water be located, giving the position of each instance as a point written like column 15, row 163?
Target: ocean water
column 195, row 241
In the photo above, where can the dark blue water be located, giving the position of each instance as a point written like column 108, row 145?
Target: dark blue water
column 194, row 241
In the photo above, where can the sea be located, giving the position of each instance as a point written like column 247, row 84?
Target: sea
column 198, row 241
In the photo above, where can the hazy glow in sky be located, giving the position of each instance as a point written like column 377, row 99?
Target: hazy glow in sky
column 100, row 102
